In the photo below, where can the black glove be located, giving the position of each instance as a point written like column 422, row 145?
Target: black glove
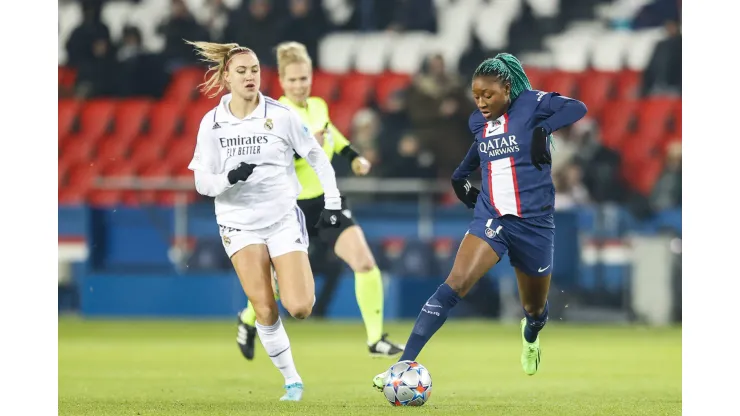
column 240, row 173
column 465, row 192
column 330, row 218
column 538, row 151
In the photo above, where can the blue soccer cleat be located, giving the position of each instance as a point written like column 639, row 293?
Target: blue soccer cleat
column 293, row 393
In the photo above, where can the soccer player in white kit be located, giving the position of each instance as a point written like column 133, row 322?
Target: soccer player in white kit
column 244, row 158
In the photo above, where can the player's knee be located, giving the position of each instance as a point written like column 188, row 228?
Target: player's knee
column 459, row 282
column 534, row 310
column 300, row 310
column 266, row 313
column 363, row 263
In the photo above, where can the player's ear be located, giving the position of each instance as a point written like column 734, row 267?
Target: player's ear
column 507, row 89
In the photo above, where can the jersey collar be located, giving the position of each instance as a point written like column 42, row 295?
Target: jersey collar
column 223, row 114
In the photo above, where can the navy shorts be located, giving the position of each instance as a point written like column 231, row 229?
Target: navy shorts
column 530, row 242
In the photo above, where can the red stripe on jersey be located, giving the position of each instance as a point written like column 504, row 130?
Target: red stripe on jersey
column 516, row 188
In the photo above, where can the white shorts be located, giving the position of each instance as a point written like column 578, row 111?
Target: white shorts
column 288, row 234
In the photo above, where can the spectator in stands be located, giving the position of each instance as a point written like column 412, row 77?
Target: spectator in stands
column 667, row 190
column 569, row 189
column 80, row 42
column 305, row 24
column 365, row 128
column 414, row 15
column 140, row 73
column 663, row 73
column 214, row 15
column 178, row 26
column 98, row 76
column 439, row 110
column 256, row 25
column 411, row 160
column 600, row 165
column 394, row 122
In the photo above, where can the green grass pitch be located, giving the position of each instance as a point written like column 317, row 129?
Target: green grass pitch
column 177, row 368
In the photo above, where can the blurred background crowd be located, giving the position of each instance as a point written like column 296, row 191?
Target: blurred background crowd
column 396, row 75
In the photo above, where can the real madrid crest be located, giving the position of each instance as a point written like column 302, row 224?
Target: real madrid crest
column 227, row 240
column 268, row 124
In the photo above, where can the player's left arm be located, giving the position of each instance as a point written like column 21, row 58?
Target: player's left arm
column 556, row 111
column 360, row 165
column 306, row 146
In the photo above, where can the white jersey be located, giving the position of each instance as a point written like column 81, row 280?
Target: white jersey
column 267, row 138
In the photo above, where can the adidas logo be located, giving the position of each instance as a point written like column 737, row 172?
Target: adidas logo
column 298, row 241
column 216, row 126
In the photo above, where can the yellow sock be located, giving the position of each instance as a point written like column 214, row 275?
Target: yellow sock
column 248, row 315
column 369, row 293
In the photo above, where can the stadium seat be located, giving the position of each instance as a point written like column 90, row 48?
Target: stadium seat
column 645, row 173
column 110, row 197
column 637, row 147
column 81, row 176
column 267, row 75
column 129, row 119
column 356, row 88
column 154, row 170
column 408, row 52
column 628, row 84
column 77, row 150
column 163, row 121
column 654, row 116
column 570, row 51
column 608, row 52
column 537, row 76
column 342, row 114
column 95, row 119
column 565, row 83
column 111, row 149
column 67, row 113
column 641, row 47
column 677, row 119
column 595, row 89
column 71, row 196
column 144, row 151
column 184, row 84
column 374, row 51
column 193, row 114
column 325, row 85
column 616, row 121
column 389, row 83
column 337, row 52
column 492, row 23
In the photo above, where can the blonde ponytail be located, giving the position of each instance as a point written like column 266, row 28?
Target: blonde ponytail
column 218, row 55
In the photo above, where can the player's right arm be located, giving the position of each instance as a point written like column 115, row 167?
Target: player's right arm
column 209, row 181
column 472, row 159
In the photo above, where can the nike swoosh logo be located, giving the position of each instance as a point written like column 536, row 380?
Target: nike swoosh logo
column 542, row 270
column 432, row 306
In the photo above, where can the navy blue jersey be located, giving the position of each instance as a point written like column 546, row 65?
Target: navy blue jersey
column 511, row 185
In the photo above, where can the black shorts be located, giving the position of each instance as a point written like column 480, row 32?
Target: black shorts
column 312, row 210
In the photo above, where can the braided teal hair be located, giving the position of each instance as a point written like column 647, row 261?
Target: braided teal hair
column 507, row 68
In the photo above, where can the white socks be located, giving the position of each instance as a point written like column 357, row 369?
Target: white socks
column 276, row 343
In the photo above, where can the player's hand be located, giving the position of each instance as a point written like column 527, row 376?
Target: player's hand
column 330, row 218
column 319, row 135
column 538, row 151
column 361, row 166
column 240, row 173
column 465, row 192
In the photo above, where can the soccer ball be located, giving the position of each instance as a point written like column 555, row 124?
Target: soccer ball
column 408, row 384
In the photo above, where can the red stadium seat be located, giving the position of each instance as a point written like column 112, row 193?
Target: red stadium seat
column 145, row 151
column 342, row 114
column 537, row 77
column 179, row 151
column 677, row 119
column 81, row 177
column 77, row 150
column 616, row 121
column 71, row 196
column 638, row 147
column 160, row 169
column 564, row 83
column 628, row 84
column 355, row 89
column 96, row 117
column 325, row 85
column 67, row 113
column 276, row 91
column 595, row 89
column 163, row 121
column 654, row 116
column 184, row 84
column 130, row 118
column 266, row 77
column 388, row 84
column 645, row 174
column 111, row 149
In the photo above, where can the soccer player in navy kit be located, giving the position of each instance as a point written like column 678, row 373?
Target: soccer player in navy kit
column 514, row 211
